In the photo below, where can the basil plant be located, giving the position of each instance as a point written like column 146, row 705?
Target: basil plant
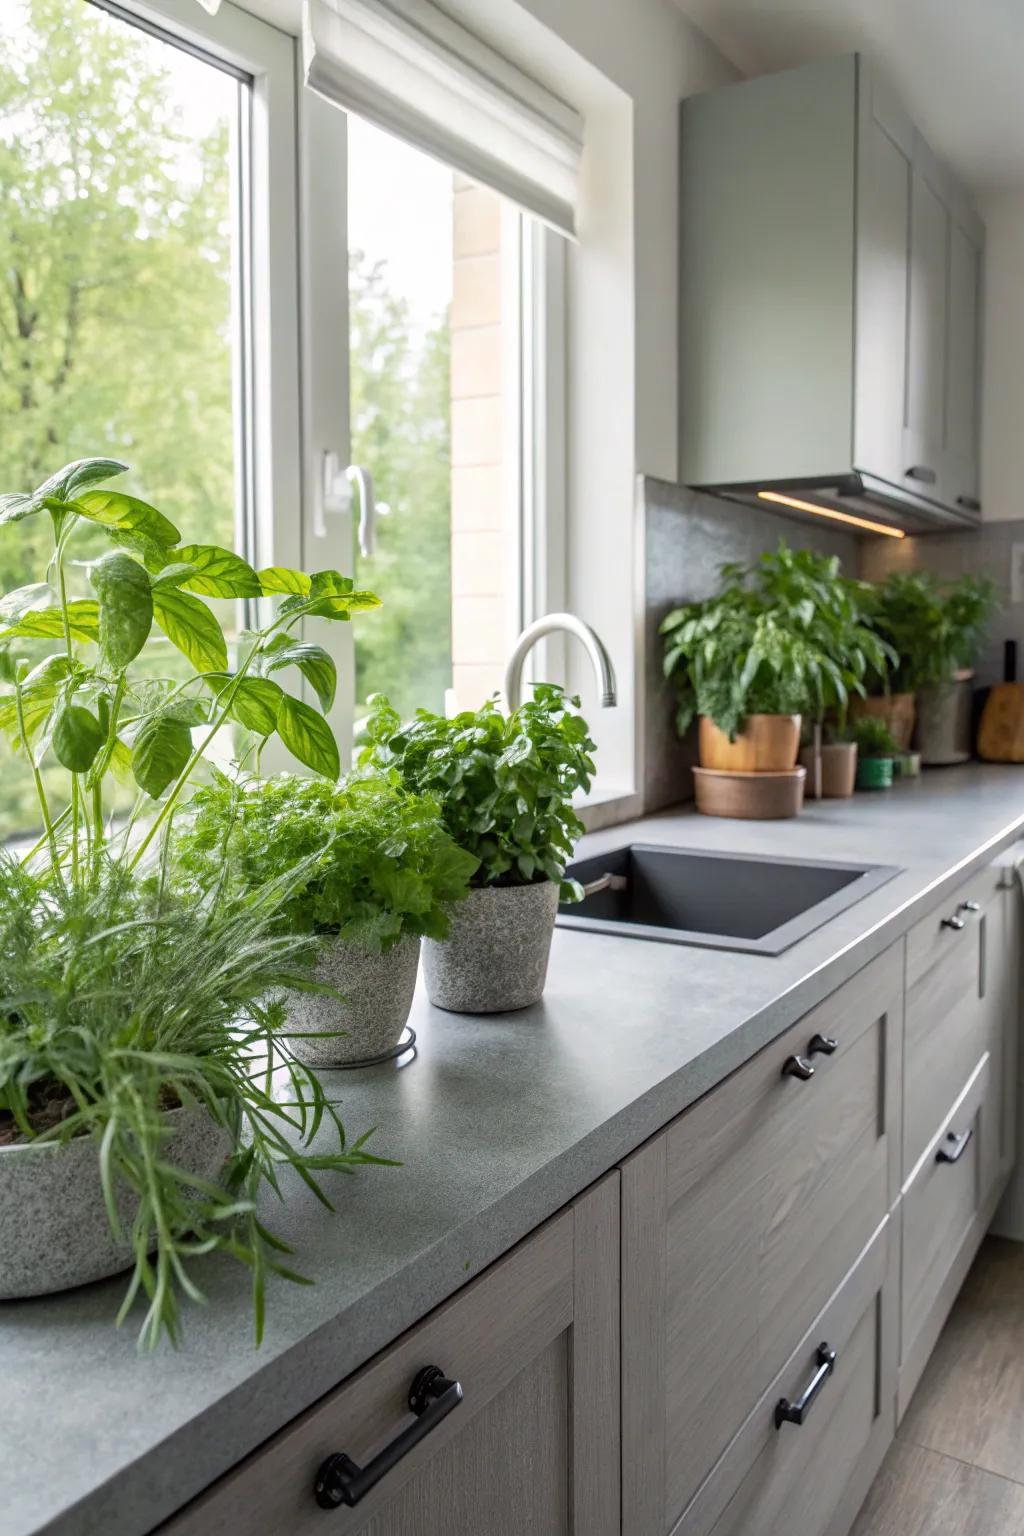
column 98, row 704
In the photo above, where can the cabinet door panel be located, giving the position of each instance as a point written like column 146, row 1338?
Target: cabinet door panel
column 739, row 1222
column 963, row 369
column 926, row 336
column 532, row 1446
column 883, row 228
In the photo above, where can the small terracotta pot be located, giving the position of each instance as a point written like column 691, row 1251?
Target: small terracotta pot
column 838, row 769
column 896, row 710
column 749, row 796
column 766, row 744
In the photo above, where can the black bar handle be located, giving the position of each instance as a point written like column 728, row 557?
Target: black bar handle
column 969, row 906
column 339, row 1480
column 923, row 473
column 969, row 503
column 797, row 1066
column 822, row 1045
column 795, row 1413
column 956, row 923
column 954, row 1146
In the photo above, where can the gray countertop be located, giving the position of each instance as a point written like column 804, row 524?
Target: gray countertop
column 498, row 1122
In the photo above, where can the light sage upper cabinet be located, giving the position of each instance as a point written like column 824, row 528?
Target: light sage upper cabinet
column 830, row 295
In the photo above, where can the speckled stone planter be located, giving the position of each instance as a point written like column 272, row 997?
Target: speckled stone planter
column 377, row 992
column 54, row 1231
column 496, row 959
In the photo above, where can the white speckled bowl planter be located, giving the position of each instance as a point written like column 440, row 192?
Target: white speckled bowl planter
column 377, row 992
column 496, row 958
column 54, row 1231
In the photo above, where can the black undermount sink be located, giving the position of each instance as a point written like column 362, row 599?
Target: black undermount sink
column 746, row 902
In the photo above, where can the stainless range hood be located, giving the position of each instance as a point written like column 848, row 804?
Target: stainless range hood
column 865, row 504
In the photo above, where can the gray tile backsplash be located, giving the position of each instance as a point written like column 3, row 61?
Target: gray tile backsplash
column 688, row 537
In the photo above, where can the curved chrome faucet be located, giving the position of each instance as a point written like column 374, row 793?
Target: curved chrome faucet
column 548, row 625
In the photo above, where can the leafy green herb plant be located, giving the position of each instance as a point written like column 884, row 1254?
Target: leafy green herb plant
column 119, row 1000
column 933, row 627
column 873, row 738
column 378, row 863
column 504, row 783
column 89, row 706
column 787, row 635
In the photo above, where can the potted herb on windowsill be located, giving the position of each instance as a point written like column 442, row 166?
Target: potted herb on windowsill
column 876, row 751
column 147, row 1092
column 380, row 872
column 505, row 786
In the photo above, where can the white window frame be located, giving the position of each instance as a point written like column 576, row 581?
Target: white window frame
column 294, row 341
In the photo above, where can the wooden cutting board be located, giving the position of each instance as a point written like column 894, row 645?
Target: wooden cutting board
column 1001, row 728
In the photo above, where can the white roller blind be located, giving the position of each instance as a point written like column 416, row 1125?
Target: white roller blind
column 411, row 69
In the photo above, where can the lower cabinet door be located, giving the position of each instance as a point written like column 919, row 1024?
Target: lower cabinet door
column 519, row 1436
column 804, row 1459
column 945, row 1210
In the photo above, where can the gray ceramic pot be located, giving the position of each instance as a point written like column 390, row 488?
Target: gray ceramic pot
column 943, row 733
column 496, row 958
column 377, row 992
column 54, row 1231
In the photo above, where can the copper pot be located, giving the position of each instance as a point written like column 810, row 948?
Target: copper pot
column 766, row 744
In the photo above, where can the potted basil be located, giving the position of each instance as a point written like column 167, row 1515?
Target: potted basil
column 505, row 786
column 380, row 872
column 139, row 1031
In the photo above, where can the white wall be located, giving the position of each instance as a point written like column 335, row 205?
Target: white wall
column 1002, row 436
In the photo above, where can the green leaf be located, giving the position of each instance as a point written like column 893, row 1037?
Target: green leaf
column 126, row 608
column 38, row 594
column 315, row 664
column 331, row 596
column 281, row 578
column 161, row 750
column 77, row 738
column 47, row 623
column 254, row 704
column 308, row 736
column 61, row 487
column 190, row 625
column 113, row 509
column 218, row 572
column 39, row 692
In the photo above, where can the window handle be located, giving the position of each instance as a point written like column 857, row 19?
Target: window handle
column 336, row 492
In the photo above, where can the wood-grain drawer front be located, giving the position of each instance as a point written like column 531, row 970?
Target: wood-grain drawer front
column 779, row 1478
column 931, row 941
column 771, row 1188
column 940, row 1204
column 533, row 1446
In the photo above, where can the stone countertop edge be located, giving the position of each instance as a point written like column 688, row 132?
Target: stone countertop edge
column 141, row 1491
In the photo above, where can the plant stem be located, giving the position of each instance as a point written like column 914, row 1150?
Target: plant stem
column 182, row 779
column 37, row 776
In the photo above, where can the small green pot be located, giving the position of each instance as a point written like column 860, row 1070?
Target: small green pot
column 874, row 773
column 907, row 766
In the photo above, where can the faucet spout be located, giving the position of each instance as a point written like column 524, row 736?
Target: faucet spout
column 548, row 625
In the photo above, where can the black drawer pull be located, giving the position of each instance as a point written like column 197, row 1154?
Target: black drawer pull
column 956, row 923
column 340, row 1481
column 969, row 906
column 822, row 1045
column 954, row 1146
column 795, row 1413
column 797, row 1066
column 969, row 503
column 923, row 473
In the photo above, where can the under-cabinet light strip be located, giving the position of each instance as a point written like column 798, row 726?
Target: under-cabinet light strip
column 839, row 517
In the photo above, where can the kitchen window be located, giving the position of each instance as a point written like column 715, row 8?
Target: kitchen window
column 177, row 209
